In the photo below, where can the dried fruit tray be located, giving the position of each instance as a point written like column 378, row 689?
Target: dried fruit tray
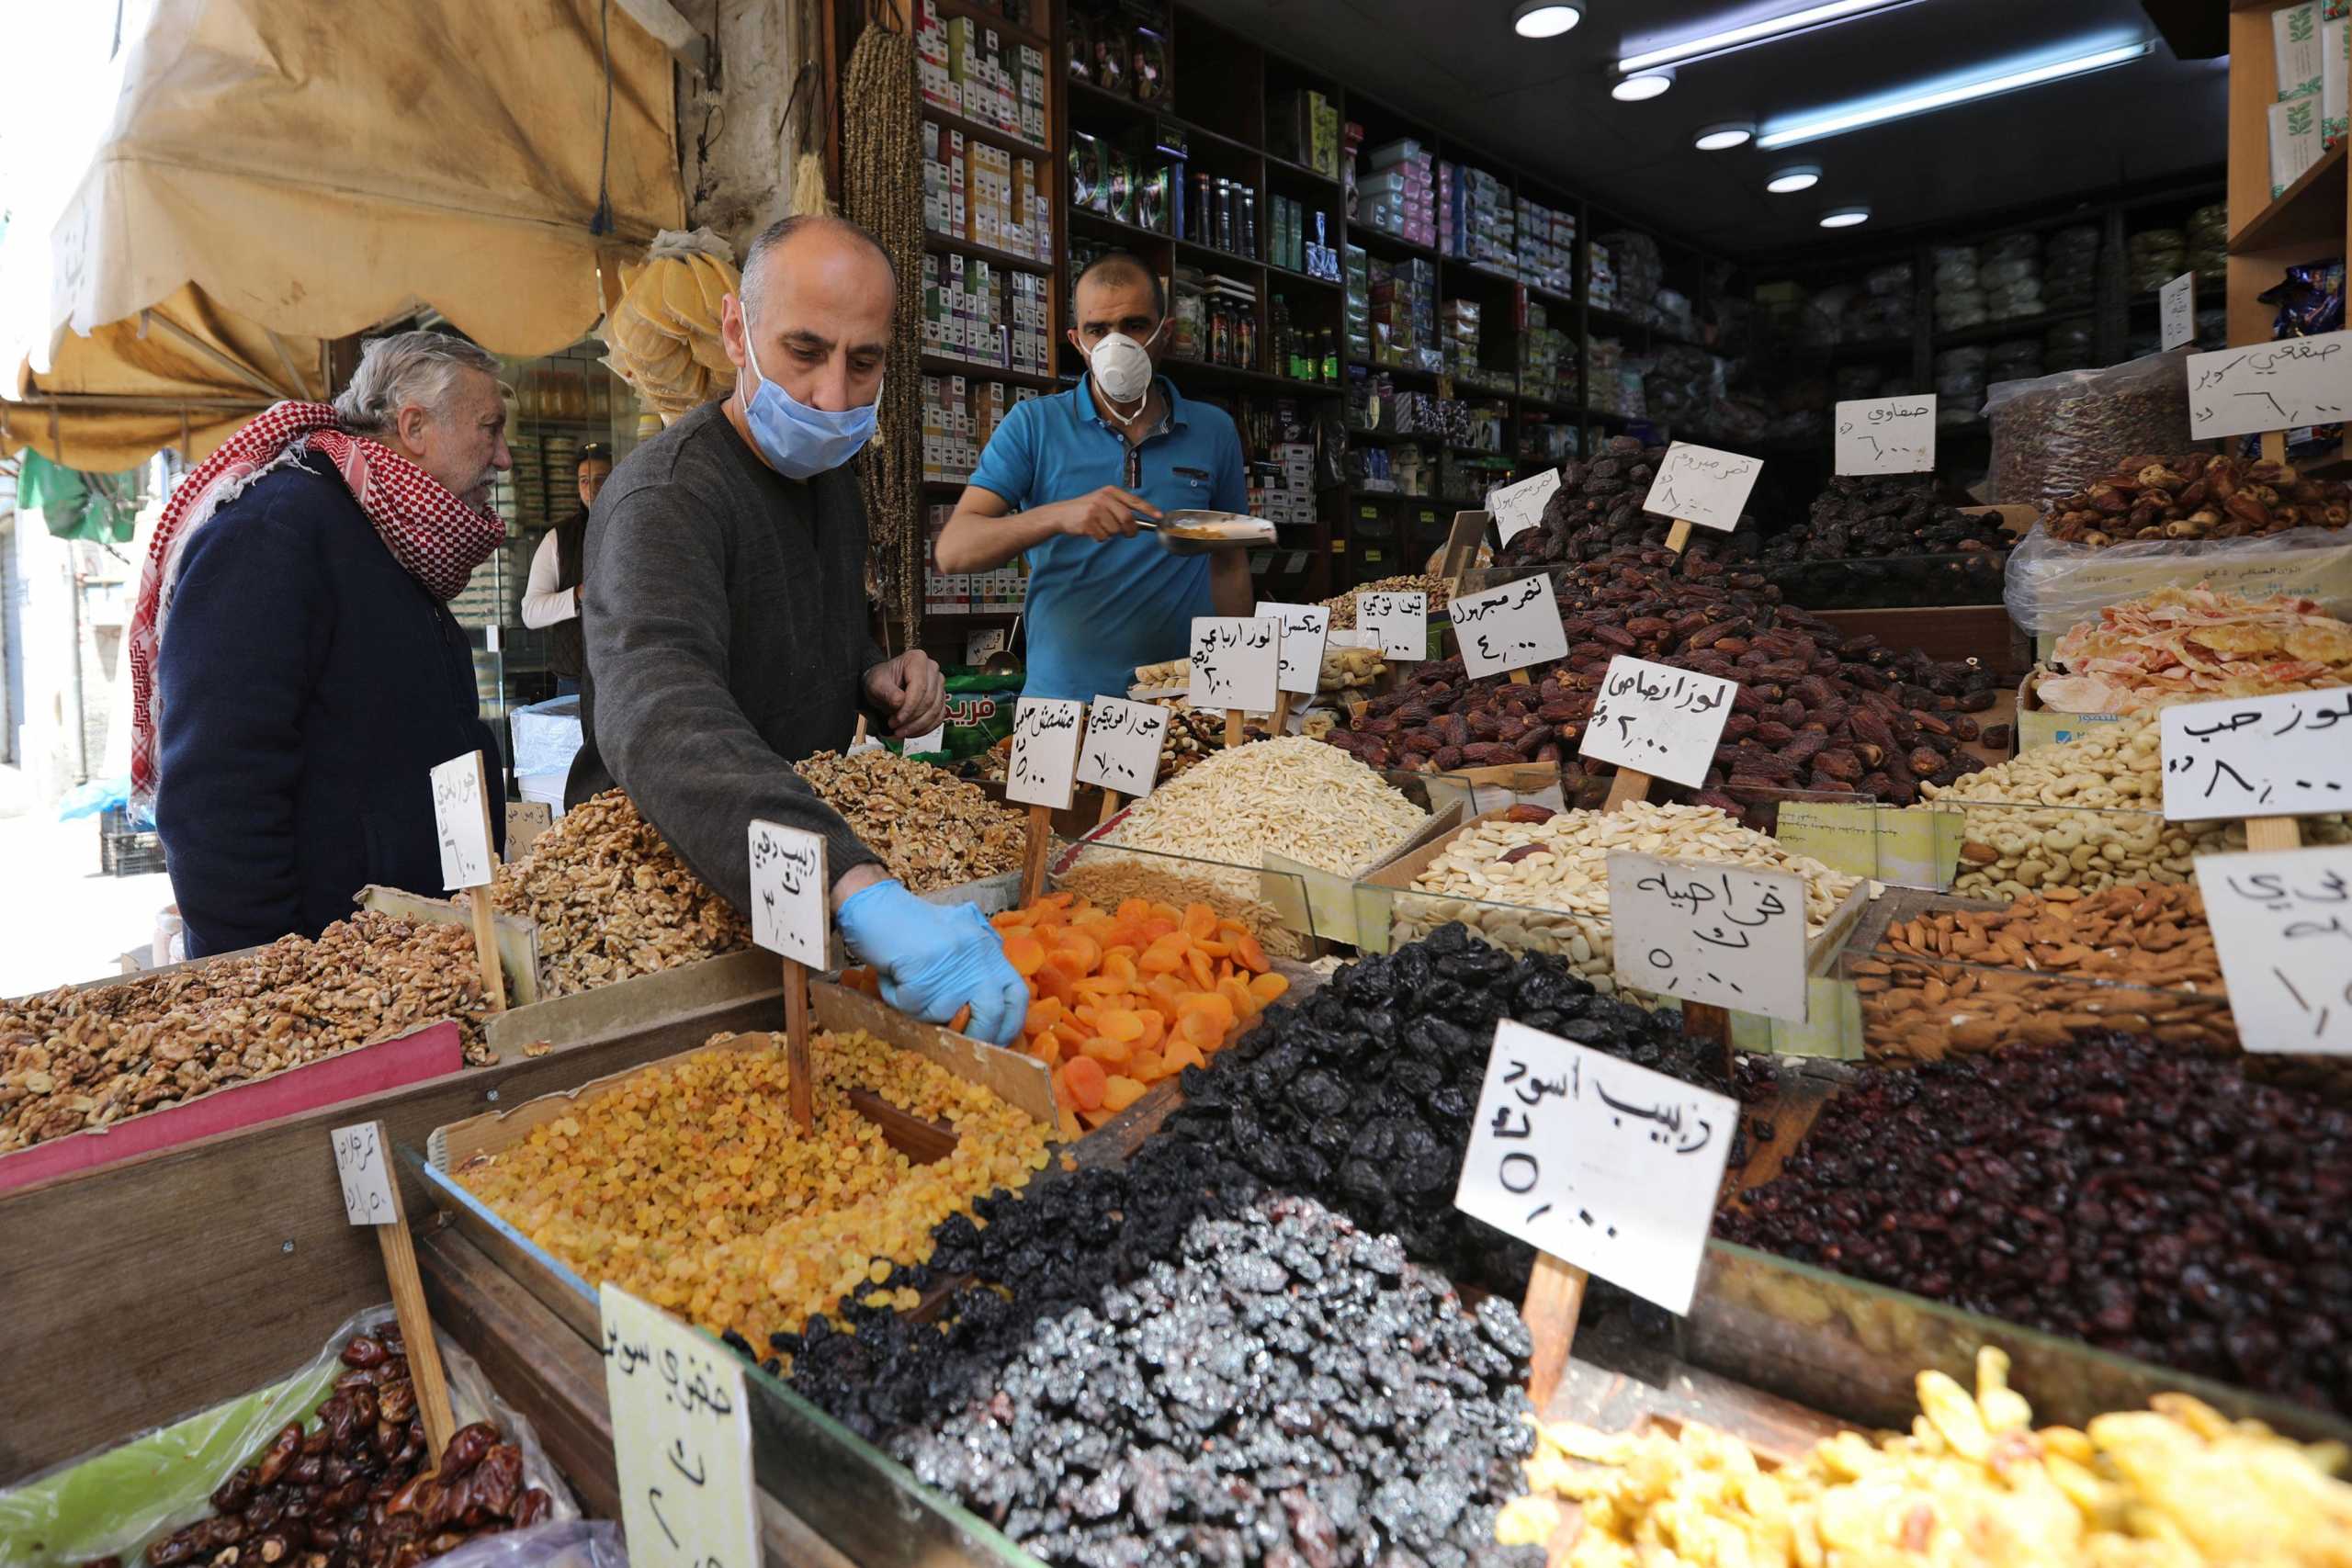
column 1853, row 1349
column 841, row 1486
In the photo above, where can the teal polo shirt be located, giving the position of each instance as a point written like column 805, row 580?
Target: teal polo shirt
column 1096, row 610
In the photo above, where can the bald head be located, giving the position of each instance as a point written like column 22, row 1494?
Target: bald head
column 816, row 305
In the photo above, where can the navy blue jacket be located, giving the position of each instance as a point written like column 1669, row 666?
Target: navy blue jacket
column 308, row 684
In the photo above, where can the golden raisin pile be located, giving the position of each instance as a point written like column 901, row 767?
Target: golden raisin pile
column 691, row 1187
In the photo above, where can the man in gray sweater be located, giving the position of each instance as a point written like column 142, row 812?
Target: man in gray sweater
column 725, row 617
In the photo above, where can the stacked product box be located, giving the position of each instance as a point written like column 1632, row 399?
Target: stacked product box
column 1457, row 325
column 1000, row 592
column 984, row 314
column 1547, row 368
column 959, row 414
column 1547, row 248
column 2309, row 39
column 1282, row 484
column 1304, row 127
column 1475, row 219
column 1397, row 191
column 1356, row 275
column 967, row 67
column 1401, row 311
column 975, row 191
column 1607, row 359
column 1600, row 278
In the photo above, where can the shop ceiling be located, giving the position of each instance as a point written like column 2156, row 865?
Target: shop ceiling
column 1545, row 105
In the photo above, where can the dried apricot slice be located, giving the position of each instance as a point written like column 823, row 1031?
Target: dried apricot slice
column 1086, row 1081
column 1119, row 1093
column 1025, row 952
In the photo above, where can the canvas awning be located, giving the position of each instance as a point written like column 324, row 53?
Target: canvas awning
column 277, row 174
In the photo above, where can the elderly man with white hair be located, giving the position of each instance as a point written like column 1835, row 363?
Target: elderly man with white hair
column 296, row 672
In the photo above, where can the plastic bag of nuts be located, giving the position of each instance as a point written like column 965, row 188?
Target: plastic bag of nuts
column 2056, row 433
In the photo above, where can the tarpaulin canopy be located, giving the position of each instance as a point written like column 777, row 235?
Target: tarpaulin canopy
column 275, row 166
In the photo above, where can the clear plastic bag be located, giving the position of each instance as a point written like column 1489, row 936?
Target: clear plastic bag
column 575, row 1543
column 2054, row 435
column 2017, row 269
column 113, row 1502
column 2050, row 586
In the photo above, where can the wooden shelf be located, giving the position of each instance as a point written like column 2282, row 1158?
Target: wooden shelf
column 1018, row 145
column 1301, row 172
column 1292, row 274
column 988, row 19
column 1177, row 369
column 937, row 364
column 1088, row 218
column 2015, row 326
column 2308, row 212
column 952, row 244
column 1380, row 242
column 1222, row 258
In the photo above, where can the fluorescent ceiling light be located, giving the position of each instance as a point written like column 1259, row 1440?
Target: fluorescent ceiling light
column 1794, row 178
column 1635, row 89
column 1717, row 138
column 1885, row 109
column 1544, row 19
column 1845, row 217
column 1754, row 33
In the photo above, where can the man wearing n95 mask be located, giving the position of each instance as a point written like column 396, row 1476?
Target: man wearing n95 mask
column 725, row 618
column 1064, row 478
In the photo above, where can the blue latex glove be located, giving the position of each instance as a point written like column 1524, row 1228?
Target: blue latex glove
column 933, row 958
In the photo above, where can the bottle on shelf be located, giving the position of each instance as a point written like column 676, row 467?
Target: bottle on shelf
column 1330, row 357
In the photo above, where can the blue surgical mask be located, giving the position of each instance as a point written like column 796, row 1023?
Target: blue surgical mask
column 797, row 441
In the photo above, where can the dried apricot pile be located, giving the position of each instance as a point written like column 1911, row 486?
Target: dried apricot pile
column 1122, row 999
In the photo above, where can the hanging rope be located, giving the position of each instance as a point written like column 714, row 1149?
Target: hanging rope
column 601, row 223
column 882, row 188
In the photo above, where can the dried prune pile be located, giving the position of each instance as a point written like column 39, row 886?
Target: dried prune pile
column 1818, row 708
column 1363, row 1096
column 1598, row 508
column 1284, row 1388
column 357, row 1490
column 2153, row 1203
column 1887, row 539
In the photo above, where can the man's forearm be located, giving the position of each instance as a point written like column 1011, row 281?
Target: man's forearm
column 975, row 541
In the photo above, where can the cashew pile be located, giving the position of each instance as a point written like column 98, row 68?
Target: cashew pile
column 1536, row 882
column 2087, row 813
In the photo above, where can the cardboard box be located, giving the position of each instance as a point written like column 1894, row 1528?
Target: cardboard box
column 2336, row 81
column 2294, row 139
column 2295, row 50
column 2040, row 725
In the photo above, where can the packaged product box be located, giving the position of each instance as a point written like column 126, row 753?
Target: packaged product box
column 2295, row 48
column 2294, row 139
column 2335, row 80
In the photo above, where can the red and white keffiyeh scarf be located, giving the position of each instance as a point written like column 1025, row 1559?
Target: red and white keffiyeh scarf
column 430, row 531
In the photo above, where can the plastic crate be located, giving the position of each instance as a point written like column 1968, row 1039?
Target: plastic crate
column 123, row 851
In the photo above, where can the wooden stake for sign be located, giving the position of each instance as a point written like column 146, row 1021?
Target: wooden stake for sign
column 1631, row 783
column 424, row 1372
column 1519, row 677
column 1112, row 801
column 494, row 978
column 1678, row 535
column 1032, row 859
column 1282, row 712
column 2272, row 833
column 858, row 738
column 1233, row 736
column 798, row 1063
column 1555, row 1301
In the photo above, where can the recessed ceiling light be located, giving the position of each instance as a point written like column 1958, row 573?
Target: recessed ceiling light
column 1731, row 133
column 1754, row 33
column 1796, row 177
column 1845, row 217
column 1648, row 84
column 1879, row 111
column 1544, row 19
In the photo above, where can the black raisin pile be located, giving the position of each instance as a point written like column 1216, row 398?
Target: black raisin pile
column 2153, row 1203
column 1283, row 1389
column 1361, row 1097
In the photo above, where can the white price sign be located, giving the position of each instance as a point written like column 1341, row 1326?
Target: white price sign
column 788, row 892
column 935, row 739
column 461, row 816
column 2245, row 391
column 2282, row 922
column 1702, row 485
column 1518, row 507
column 1401, row 622
column 367, row 1183
column 1602, row 1164
column 1306, row 628
column 1887, row 435
column 1122, row 742
column 1507, row 628
column 1043, row 770
column 2177, row 311
column 1235, row 661
column 682, row 1439
column 978, row 645
column 1722, row 935
column 1664, row 721
column 2258, row 756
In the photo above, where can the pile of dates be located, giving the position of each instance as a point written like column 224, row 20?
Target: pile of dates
column 1598, row 508
column 2196, row 496
column 1816, row 709
column 355, row 1491
column 1888, row 540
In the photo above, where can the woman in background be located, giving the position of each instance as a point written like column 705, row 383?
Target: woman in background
column 551, row 598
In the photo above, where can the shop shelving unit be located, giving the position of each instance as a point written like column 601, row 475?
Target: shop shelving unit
column 2309, row 220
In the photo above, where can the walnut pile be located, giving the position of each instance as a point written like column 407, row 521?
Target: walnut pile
column 72, row 1059
column 931, row 829
column 612, row 900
